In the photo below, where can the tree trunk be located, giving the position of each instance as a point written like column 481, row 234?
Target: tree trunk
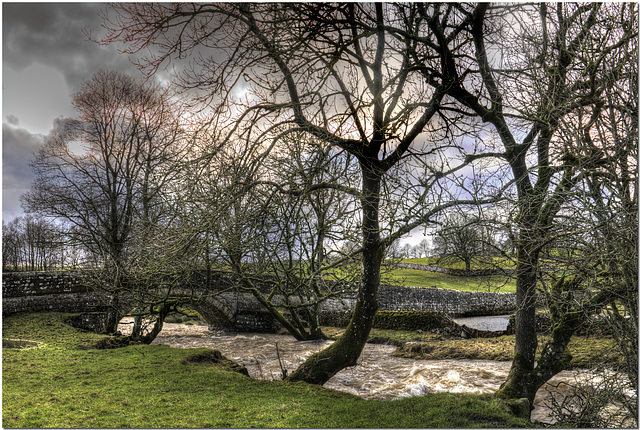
column 113, row 314
column 315, row 332
column 136, row 330
column 520, row 383
column 345, row 351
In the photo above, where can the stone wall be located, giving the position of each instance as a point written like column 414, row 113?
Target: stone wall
column 65, row 291
column 20, row 284
column 452, row 302
column 68, row 292
column 456, row 272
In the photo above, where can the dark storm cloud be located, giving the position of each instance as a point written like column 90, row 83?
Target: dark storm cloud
column 52, row 34
column 18, row 147
column 46, row 56
column 13, row 120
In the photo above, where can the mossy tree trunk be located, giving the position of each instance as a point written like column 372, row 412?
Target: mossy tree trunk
column 567, row 315
column 344, row 352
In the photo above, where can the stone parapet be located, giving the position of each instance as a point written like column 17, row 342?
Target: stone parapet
column 21, row 284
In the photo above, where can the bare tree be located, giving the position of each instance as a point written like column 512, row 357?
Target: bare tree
column 422, row 249
column 351, row 76
column 96, row 173
column 599, row 234
column 459, row 239
column 530, row 69
column 30, row 243
column 11, row 245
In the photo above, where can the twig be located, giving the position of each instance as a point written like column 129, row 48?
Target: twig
column 284, row 371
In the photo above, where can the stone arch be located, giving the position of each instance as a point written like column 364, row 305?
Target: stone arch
column 218, row 313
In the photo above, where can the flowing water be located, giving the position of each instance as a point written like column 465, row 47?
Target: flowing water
column 377, row 375
column 490, row 323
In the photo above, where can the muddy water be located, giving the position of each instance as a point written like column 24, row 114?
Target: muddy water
column 377, row 375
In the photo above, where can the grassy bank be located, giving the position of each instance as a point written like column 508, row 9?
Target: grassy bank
column 587, row 352
column 61, row 383
column 426, row 279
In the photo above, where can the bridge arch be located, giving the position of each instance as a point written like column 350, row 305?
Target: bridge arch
column 217, row 312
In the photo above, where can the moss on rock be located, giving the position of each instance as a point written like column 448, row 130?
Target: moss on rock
column 213, row 356
column 410, row 320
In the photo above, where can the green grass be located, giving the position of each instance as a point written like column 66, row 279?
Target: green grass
column 60, row 385
column 421, row 278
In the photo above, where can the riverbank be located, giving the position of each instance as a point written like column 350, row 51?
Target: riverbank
column 62, row 382
column 587, row 352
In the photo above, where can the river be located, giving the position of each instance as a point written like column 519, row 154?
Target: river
column 378, row 375
column 489, row 323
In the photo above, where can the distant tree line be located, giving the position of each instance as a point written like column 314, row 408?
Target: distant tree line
column 33, row 243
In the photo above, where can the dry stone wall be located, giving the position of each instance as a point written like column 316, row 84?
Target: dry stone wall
column 61, row 291
column 456, row 272
column 452, row 302
column 20, row 284
column 68, row 292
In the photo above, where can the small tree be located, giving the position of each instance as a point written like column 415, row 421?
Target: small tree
column 458, row 238
column 274, row 222
column 422, row 249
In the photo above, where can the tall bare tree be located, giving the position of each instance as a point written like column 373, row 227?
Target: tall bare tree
column 348, row 75
column 103, row 172
column 529, row 69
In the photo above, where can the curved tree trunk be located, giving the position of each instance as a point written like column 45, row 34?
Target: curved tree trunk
column 344, row 352
column 526, row 377
column 137, row 334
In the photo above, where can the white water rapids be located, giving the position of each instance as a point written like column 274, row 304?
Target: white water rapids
column 377, row 375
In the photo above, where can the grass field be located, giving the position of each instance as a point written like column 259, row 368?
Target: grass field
column 58, row 384
column 421, row 278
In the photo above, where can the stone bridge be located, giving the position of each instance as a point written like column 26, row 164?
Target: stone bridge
column 69, row 291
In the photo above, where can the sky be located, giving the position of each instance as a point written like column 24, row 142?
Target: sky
column 46, row 55
column 45, row 58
